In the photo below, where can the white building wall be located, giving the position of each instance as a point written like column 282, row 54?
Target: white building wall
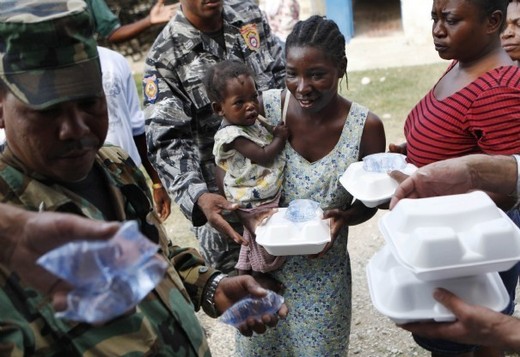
column 416, row 19
column 311, row 7
column 415, row 16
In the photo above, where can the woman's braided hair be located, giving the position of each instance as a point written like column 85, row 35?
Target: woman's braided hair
column 319, row 32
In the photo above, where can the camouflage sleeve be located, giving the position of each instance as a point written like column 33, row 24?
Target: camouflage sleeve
column 191, row 268
column 171, row 146
column 276, row 50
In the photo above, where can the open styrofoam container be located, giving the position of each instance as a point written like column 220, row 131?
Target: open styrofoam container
column 371, row 188
column 451, row 236
column 280, row 236
column 396, row 292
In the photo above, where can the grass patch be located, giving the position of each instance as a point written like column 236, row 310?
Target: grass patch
column 138, row 78
column 392, row 93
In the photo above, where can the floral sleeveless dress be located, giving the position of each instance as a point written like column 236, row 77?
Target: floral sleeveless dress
column 318, row 291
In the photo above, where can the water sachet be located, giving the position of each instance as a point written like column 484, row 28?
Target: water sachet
column 108, row 277
column 252, row 307
column 303, row 210
column 383, row 162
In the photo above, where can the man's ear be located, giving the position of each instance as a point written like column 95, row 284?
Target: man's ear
column 217, row 108
column 495, row 21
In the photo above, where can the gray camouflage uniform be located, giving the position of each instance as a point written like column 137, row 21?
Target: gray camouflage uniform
column 180, row 124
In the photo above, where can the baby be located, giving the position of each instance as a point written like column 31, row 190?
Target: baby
column 247, row 149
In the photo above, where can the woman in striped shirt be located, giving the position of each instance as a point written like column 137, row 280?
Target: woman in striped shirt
column 473, row 108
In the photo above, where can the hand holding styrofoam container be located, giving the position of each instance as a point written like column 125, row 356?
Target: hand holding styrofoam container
column 456, row 242
column 397, row 293
column 296, row 230
column 368, row 180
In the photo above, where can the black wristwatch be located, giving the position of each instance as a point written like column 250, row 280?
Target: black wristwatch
column 208, row 296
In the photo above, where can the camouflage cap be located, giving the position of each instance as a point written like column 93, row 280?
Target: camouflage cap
column 48, row 53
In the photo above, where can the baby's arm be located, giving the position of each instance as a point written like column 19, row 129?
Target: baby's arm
column 263, row 156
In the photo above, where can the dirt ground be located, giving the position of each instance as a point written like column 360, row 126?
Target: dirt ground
column 372, row 334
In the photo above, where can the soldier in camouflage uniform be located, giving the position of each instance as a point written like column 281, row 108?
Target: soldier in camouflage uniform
column 54, row 112
column 180, row 124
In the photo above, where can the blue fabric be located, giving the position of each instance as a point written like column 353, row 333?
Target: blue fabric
column 510, row 277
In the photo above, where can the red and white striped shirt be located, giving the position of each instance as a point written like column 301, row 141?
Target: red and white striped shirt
column 483, row 117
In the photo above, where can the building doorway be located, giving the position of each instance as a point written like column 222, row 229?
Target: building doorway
column 377, row 18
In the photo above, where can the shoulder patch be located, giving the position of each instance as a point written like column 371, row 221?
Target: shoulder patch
column 150, row 88
column 250, row 34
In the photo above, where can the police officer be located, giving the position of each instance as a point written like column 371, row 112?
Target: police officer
column 53, row 110
column 180, row 122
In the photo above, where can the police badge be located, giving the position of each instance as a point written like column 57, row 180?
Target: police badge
column 251, row 37
column 150, row 88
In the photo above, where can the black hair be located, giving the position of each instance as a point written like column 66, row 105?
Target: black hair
column 3, row 87
column 319, row 32
column 487, row 7
column 217, row 77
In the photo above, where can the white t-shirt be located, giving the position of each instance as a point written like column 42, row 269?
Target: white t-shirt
column 126, row 119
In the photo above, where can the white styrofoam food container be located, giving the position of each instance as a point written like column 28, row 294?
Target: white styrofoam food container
column 280, row 236
column 397, row 293
column 371, row 188
column 451, row 236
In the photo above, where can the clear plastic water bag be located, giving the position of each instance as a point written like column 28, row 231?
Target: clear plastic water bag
column 252, row 307
column 384, row 162
column 303, row 210
column 108, row 277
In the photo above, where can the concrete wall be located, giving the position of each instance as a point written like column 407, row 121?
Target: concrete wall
column 416, row 18
column 307, row 7
column 311, row 7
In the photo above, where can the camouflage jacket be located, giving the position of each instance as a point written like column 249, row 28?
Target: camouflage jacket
column 163, row 324
column 180, row 124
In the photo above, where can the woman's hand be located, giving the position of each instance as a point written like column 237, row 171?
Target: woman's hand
column 251, row 220
column 356, row 214
column 398, row 149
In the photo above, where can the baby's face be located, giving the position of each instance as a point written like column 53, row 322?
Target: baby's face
column 240, row 106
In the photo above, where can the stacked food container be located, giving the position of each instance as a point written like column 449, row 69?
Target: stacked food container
column 457, row 242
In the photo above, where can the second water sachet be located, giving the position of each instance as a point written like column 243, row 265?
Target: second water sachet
column 252, row 307
column 108, row 277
